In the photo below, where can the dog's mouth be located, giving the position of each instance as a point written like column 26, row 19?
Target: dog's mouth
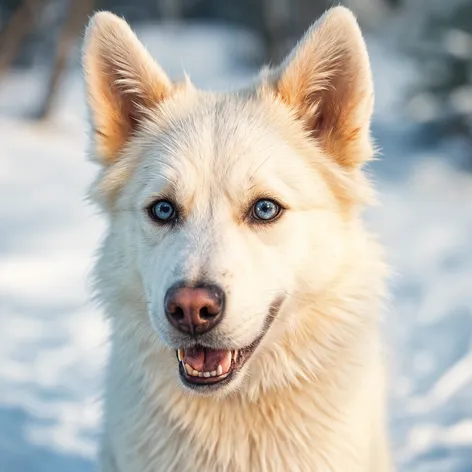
column 202, row 367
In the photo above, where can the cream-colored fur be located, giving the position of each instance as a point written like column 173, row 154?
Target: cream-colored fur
column 312, row 396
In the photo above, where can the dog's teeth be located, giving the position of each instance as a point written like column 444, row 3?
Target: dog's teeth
column 206, row 374
column 180, row 354
column 188, row 369
column 235, row 356
column 219, row 370
column 213, row 373
column 200, row 374
column 195, row 373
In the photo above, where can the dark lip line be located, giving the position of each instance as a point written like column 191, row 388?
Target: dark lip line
column 248, row 351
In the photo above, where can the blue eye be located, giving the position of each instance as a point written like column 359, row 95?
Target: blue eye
column 161, row 211
column 265, row 210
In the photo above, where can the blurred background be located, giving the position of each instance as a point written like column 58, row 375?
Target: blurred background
column 53, row 342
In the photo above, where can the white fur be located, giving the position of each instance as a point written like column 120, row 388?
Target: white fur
column 312, row 396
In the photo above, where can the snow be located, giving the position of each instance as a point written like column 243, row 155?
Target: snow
column 53, row 342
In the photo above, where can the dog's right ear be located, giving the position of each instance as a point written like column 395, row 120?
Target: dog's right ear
column 123, row 83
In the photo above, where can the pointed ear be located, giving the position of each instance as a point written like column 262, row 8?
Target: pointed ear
column 327, row 81
column 123, row 82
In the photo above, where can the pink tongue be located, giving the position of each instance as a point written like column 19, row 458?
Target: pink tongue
column 207, row 360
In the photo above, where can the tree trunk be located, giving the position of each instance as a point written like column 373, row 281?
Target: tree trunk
column 19, row 25
column 77, row 15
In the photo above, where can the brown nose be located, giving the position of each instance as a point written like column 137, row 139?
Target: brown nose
column 194, row 310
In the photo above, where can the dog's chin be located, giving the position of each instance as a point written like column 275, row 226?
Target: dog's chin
column 207, row 370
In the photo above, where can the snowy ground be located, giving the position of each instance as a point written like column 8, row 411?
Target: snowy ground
column 53, row 343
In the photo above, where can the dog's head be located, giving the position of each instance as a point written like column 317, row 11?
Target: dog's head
column 227, row 212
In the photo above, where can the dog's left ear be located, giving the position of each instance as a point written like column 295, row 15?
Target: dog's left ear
column 123, row 83
column 327, row 81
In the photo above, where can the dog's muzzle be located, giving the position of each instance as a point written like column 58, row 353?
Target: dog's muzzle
column 208, row 368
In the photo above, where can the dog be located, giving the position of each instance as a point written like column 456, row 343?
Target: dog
column 244, row 293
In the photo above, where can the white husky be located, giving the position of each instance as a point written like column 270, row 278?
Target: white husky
column 243, row 292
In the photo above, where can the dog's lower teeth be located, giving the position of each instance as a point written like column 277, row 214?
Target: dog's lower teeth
column 205, row 374
column 195, row 373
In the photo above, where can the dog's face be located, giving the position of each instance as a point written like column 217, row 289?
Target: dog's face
column 226, row 217
column 226, row 209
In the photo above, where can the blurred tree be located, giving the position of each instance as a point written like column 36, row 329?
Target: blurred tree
column 441, row 43
column 21, row 23
column 77, row 13
column 170, row 10
column 14, row 31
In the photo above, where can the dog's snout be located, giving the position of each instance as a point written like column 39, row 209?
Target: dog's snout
column 194, row 310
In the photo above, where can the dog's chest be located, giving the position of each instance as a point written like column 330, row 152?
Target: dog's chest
column 239, row 439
